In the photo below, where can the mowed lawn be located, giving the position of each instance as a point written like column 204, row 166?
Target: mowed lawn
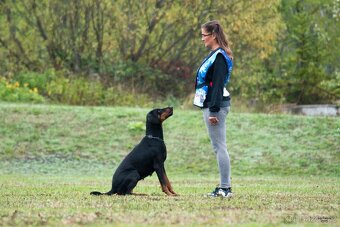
column 285, row 169
column 57, row 200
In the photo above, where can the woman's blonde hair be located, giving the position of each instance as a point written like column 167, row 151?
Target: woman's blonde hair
column 215, row 28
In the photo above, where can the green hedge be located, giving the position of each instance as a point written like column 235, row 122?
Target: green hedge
column 64, row 88
column 17, row 92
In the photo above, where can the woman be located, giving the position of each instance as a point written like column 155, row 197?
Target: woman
column 214, row 99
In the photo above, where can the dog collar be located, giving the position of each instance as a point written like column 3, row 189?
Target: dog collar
column 153, row 137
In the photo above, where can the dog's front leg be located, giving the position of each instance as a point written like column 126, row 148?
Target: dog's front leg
column 164, row 181
column 168, row 185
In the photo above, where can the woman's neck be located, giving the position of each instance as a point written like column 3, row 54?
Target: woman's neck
column 215, row 47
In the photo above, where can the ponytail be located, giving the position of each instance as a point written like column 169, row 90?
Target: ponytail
column 215, row 28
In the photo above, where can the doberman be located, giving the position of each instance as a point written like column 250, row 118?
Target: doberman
column 147, row 157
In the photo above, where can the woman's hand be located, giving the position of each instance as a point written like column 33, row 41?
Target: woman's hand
column 213, row 120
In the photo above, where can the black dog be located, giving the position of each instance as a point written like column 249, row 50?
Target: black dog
column 148, row 156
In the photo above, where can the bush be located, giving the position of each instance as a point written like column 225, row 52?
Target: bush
column 75, row 91
column 145, row 79
column 36, row 80
column 83, row 91
column 118, row 96
column 127, row 84
column 15, row 92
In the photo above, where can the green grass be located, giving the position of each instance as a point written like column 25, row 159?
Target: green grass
column 284, row 168
column 257, row 143
column 57, row 200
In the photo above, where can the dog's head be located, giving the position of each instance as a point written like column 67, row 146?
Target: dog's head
column 157, row 116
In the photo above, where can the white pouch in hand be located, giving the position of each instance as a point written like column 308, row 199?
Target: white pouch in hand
column 225, row 92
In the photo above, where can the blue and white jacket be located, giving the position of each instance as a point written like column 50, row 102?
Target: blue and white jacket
column 202, row 85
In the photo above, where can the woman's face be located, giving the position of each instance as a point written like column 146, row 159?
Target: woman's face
column 208, row 39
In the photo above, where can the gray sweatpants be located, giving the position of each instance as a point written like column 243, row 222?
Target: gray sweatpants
column 217, row 134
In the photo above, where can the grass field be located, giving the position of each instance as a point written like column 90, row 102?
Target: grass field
column 57, row 200
column 285, row 168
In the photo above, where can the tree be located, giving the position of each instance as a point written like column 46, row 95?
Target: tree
column 308, row 60
column 94, row 36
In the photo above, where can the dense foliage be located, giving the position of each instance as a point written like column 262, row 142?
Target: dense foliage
column 284, row 51
column 310, row 51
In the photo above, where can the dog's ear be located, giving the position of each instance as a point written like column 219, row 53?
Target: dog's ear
column 153, row 117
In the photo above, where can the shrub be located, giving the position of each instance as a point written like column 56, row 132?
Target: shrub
column 75, row 91
column 118, row 96
column 36, row 79
column 15, row 92
column 127, row 84
column 145, row 79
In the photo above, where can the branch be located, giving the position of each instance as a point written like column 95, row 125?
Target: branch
column 49, row 46
column 39, row 23
column 151, row 25
column 16, row 55
column 12, row 32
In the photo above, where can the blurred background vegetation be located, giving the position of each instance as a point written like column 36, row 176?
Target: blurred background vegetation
column 124, row 52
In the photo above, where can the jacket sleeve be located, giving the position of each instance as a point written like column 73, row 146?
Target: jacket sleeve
column 220, row 71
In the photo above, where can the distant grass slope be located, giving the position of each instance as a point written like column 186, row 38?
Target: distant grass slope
column 84, row 139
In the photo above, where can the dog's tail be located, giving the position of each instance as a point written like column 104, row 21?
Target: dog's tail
column 96, row 193
column 99, row 193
